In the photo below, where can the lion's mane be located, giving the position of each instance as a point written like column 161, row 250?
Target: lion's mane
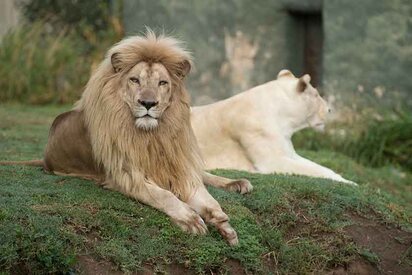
column 168, row 155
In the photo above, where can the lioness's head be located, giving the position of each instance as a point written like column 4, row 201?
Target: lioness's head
column 305, row 104
column 150, row 77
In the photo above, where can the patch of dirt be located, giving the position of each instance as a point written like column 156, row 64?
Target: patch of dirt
column 389, row 243
column 358, row 267
column 147, row 269
column 151, row 269
column 178, row 269
column 234, row 267
column 89, row 266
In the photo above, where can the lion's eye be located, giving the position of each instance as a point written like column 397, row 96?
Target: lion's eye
column 161, row 83
column 135, row 80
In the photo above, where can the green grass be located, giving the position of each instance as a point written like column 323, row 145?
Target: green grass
column 288, row 224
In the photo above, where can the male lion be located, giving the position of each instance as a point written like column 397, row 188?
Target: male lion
column 252, row 131
column 131, row 132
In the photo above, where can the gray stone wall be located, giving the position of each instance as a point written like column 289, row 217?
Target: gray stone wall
column 368, row 47
column 238, row 44
column 9, row 16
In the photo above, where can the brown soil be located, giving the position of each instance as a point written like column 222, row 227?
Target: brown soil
column 89, row 266
column 233, row 267
column 390, row 244
column 358, row 267
column 149, row 269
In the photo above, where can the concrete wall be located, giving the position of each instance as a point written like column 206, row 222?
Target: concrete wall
column 368, row 46
column 239, row 43
column 9, row 16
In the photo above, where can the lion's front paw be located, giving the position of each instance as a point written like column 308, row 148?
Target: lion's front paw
column 228, row 233
column 242, row 186
column 221, row 221
column 189, row 221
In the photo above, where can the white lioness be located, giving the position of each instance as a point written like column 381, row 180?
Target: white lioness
column 252, row 131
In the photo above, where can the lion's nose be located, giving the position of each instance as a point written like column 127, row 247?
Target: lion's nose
column 148, row 104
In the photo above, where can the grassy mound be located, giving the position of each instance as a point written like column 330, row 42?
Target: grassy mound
column 288, row 224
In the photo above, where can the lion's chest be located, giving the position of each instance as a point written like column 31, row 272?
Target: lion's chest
column 167, row 162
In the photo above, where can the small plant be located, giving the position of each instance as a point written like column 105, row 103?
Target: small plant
column 384, row 142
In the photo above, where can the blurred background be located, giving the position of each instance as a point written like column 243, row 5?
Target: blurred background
column 359, row 54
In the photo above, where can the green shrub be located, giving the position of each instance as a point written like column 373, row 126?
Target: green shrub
column 372, row 143
column 94, row 14
column 384, row 142
column 38, row 67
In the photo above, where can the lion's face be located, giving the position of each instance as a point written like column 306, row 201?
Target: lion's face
column 306, row 105
column 147, row 92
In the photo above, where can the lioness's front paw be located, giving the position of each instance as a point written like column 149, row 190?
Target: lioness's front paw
column 242, row 186
column 349, row 182
column 189, row 221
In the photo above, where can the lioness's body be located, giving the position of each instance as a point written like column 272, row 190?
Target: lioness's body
column 252, row 131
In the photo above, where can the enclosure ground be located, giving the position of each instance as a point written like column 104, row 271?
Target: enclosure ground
column 288, row 224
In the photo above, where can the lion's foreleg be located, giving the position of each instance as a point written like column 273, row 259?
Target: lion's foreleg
column 204, row 204
column 151, row 194
column 242, row 186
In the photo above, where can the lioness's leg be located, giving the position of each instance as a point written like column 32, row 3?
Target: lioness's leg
column 204, row 204
column 268, row 157
column 306, row 167
column 322, row 171
column 242, row 186
column 181, row 214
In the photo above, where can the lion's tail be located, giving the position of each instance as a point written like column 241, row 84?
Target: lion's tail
column 35, row 162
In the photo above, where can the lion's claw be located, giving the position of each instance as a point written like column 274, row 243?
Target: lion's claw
column 191, row 222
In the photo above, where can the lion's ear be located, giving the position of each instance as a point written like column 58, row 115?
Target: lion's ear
column 184, row 68
column 285, row 73
column 303, row 83
column 116, row 62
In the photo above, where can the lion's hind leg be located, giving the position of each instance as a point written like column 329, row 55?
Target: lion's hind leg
column 242, row 186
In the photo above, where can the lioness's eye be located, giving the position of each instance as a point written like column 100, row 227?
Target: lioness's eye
column 135, row 80
column 161, row 83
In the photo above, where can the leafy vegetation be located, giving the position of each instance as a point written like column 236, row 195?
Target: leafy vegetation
column 288, row 224
column 48, row 69
column 49, row 58
column 92, row 14
column 372, row 142
column 384, row 142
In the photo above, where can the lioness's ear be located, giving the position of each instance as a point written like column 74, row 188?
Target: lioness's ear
column 184, row 68
column 116, row 62
column 285, row 73
column 303, row 83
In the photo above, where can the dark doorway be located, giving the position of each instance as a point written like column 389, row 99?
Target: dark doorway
column 308, row 32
